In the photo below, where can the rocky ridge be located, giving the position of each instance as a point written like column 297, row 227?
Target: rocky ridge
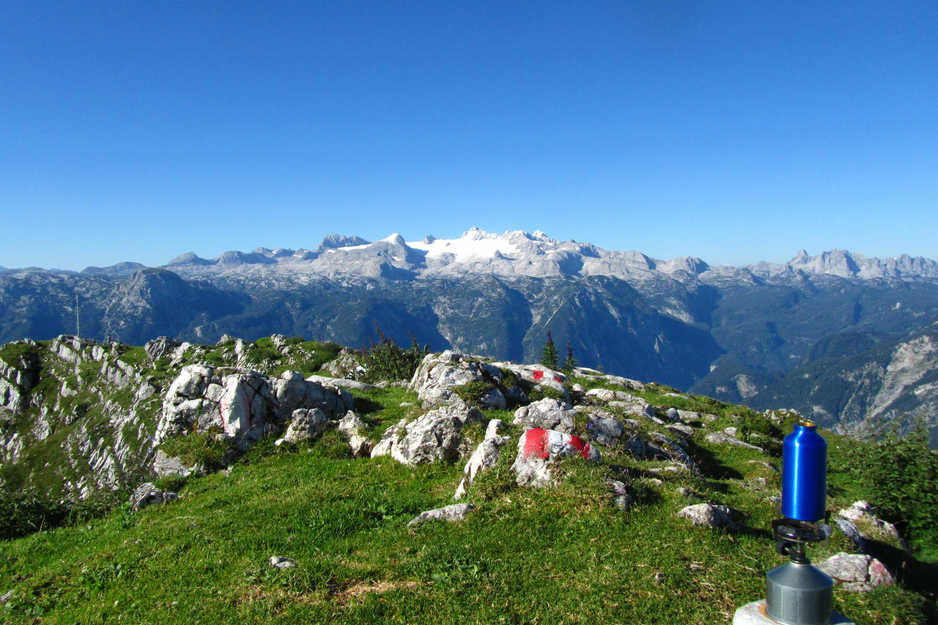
column 517, row 253
column 636, row 442
column 82, row 417
column 79, row 417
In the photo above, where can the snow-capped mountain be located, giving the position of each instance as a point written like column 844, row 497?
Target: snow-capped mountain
column 517, row 253
column 734, row 332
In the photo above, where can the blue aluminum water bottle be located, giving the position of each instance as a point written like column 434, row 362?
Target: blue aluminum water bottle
column 804, row 474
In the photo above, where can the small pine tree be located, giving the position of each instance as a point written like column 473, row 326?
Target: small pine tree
column 549, row 356
column 569, row 364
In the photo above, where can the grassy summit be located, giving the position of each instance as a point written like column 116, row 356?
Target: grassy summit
column 562, row 555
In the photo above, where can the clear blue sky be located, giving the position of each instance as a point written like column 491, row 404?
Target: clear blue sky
column 732, row 131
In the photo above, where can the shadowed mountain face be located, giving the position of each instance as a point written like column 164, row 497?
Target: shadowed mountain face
column 737, row 333
column 134, row 309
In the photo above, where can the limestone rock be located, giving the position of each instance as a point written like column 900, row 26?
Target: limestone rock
column 345, row 366
column 433, row 436
column 620, row 496
column 613, row 379
column 538, row 449
column 638, row 409
column 721, row 438
column 667, row 449
column 351, row 426
column 149, row 495
column 857, row 572
column 850, row 530
column 604, row 429
column 538, row 376
column 160, row 347
column 686, row 493
column 606, row 395
column 164, row 466
column 305, row 424
column 438, row 374
column 11, row 398
column 493, row 400
column 636, row 446
column 243, row 403
column 145, row 391
column 118, row 373
column 486, row 455
column 455, row 512
column 354, row 385
column 708, row 515
column 546, row 414
column 680, row 430
column 688, row 416
column 282, row 563
column 863, row 515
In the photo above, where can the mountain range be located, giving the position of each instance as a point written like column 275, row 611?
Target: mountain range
column 837, row 336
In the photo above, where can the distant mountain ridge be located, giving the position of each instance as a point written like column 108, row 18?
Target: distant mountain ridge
column 515, row 253
column 736, row 333
column 519, row 253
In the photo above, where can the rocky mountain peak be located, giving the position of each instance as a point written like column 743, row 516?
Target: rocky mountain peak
column 189, row 258
column 395, row 239
column 335, row 241
column 114, row 271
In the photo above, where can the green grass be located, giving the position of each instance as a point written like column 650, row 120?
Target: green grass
column 565, row 555
column 12, row 353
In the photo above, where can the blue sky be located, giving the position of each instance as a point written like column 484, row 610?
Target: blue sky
column 732, row 131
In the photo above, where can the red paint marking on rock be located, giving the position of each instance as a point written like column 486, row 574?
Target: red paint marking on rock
column 539, row 442
column 535, row 442
column 538, row 374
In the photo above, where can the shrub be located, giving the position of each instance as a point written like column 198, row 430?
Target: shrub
column 26, row 512
column 900, row 475
column 540, row 392
column 386, row 360
column 509, row 378
column 768, row 434
column 473, row 391
column 261, row 354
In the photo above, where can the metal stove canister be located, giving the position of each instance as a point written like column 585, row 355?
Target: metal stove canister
column 804, row 474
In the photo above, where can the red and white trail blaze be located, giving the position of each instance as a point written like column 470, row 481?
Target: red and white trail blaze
column 547, row 443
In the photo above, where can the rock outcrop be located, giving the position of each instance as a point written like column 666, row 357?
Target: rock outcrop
column 546, row 414
column 856, row 572
column 242, row 404
column 708, row 515
column 455, row 512
column 432, row 436
column 538, row 449
column 351, row 426
column 305, row 424
column 147, row 495
column 486, row 455
column 438, row 375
